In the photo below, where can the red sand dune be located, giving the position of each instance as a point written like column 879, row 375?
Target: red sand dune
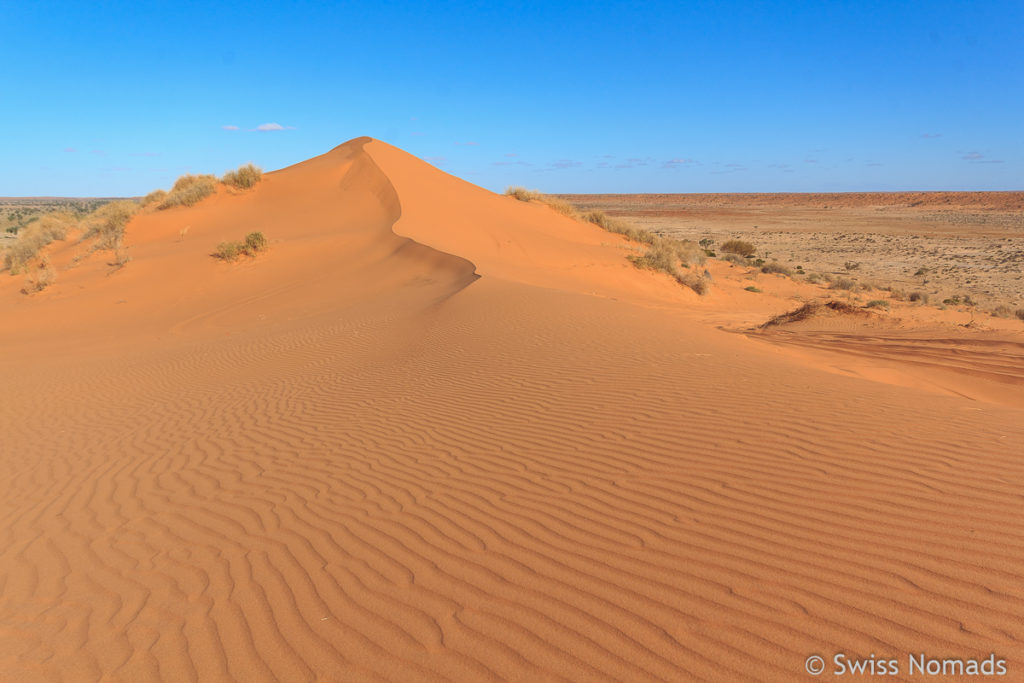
column 434, row 433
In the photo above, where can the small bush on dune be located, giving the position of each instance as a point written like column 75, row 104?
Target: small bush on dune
column 154, row 197
column 36, row 235
column 775, row 267
column 39, row 278
column 559, row 205
column 843, row 283
column 189, row 190
column 108, row 223
column 229, row 251
column 254, row 243
column 918, row 296
column 739, row 247
column 1020, row 313
column 1002, row 312
column 735, row 259
column 602, row 220
column 752, row 288
column 877, row 303
column 243, row 177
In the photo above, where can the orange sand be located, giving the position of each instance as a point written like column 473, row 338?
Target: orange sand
column 435, row 433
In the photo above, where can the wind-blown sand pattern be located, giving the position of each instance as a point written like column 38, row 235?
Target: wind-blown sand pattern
column 438, row 434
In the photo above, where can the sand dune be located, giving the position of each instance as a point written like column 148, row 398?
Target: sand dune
column 437, row 434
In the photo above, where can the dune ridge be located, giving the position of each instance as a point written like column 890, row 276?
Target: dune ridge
column 435, row 434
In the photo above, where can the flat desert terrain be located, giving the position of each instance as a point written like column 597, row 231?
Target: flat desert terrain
column 435, row 433
column 940, row 243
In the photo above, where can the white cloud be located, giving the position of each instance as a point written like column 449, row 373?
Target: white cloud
column 230, row 127
column 269, row 126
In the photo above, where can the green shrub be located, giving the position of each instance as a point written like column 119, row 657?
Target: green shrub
column 752, row 288
column 739, row 247
column 877, row 303
column 189, row 190
column 244, row 177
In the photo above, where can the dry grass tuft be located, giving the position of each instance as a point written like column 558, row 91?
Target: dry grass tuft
column 739, row 247
column 778, row 268
column 561, row 206
column 108, row 223
column 189, row 190
column 40, row 277
column 254, row 243
column 154, row 197
column 244, row 177
column 36, row 235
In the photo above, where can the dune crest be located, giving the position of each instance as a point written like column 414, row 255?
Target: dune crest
column 436, row 434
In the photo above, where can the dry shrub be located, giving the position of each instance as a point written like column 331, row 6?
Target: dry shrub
column 877, row 303
column 918, row 296
column 108, row 223
column 154, row 197
column 189, row 190
column 1020, row 313
column 811, row 309
column 606, row 222
column 559, row 205
column 739, row 247
column 36, row 235
column 40, row 277
column 775, row 267
column 844, row 283
column 229, row 251
column 244, row 177
column 254, row 243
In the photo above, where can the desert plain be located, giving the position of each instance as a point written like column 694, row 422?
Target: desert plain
column 436, row 433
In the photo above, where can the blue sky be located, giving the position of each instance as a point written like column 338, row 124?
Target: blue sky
column 118, row 98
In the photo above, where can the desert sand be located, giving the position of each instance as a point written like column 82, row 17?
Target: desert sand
column 434, row 433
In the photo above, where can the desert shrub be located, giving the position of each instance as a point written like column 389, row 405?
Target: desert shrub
column 918, row 296
column 522, row 194
column 877, row 303
column 559, row 205
column 843, row 283
column 1002, row 311
column 243, row 177
column 108, row 223
column 255, row 242
column 189, row 190
column 40, row 277
column 775, row 267
column 1020, row 314
column 735, row 259
column 701, row 284
column 851, row 265
column 752, row 288
column 36, row 235
column 229, row 251
column 739, row 247
column 602, row 220
column 154, row 197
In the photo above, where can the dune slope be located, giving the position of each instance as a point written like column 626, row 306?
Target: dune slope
column 436, row 434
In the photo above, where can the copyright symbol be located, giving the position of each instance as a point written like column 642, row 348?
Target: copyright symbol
column 815, row 665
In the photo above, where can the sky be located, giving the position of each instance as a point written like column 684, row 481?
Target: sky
column 120, row 98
